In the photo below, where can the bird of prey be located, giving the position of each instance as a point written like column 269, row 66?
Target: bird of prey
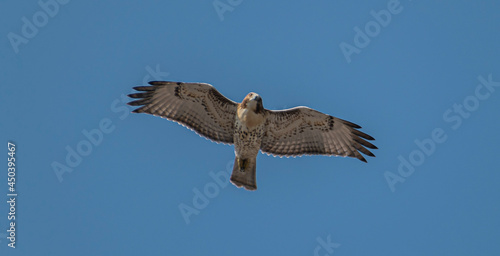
column 250, row 127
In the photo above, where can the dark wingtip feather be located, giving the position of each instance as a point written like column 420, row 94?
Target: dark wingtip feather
column 351, row 124
column 144, row 88
column 369, row 153
column 362, row 134
column 363, row 150
column 158, row 82
column 136, row 95
column 364, row 142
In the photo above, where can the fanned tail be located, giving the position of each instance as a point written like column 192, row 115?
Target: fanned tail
column 244, row 173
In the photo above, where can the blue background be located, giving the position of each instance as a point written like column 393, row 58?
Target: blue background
column 123, row 197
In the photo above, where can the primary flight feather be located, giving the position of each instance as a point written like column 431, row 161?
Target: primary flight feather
column 251, row 127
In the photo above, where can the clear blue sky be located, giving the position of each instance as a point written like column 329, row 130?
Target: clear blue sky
column 422, row 77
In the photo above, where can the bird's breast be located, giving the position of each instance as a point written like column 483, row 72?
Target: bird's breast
column 248, row 135
column 249, row 118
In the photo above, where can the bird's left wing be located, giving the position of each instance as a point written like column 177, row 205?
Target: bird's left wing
column 197, row 106
column 305, row 131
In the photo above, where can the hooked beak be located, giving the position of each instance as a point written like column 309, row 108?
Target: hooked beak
column 256, row 98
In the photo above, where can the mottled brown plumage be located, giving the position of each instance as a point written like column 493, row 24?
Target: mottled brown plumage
column 250, row 127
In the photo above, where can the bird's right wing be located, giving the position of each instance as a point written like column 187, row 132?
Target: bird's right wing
column 197, row 106
column 305, row 131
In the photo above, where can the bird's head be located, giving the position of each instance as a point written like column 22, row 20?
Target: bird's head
column 253, row 102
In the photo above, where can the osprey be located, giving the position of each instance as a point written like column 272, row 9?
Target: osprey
column 250, row 127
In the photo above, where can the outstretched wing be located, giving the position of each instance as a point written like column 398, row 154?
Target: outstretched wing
column 197, row 106
column 304, row 131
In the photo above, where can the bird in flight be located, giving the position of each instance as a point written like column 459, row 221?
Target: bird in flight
column 250, row 127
